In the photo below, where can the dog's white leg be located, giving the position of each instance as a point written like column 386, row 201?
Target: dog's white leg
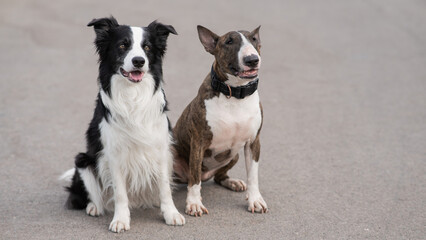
column 95, row 206
column 168, row 208
column 194, row 206
column 255, row 199
column 121, row 220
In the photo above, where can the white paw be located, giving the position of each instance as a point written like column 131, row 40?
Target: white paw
column 121, row 221
column 195, row 208
column 256, row 203
column 174, row 218
column 236, row 185
column 118, row 226
column 92, row 210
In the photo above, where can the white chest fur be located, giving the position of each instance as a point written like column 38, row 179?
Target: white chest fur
column 136, row 113
column 135, row 138
column 233, row 122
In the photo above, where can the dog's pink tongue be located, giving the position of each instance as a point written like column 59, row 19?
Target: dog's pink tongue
column 136, row 76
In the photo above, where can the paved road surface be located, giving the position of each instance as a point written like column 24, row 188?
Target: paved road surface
column 343, row 85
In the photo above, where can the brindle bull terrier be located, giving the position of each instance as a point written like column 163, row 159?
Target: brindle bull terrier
column 223, row 118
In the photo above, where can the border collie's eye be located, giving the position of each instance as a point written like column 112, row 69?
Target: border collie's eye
column 147, row 48
column 254, row 39
column 122, row 46
column 228, row 41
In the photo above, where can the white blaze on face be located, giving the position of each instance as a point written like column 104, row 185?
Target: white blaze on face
column 246, row 49
column 136, row 51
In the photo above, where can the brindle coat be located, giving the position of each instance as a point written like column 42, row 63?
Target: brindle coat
column 192, row 133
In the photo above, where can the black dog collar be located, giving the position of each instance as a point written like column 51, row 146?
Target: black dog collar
column 237, row 92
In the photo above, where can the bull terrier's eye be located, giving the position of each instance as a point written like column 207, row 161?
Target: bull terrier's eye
column 229, row 41
column 254, row 39
column 147, row 48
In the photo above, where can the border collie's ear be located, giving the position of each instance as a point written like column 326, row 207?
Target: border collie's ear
column 161, row 33
column 162, row 29
column 103, row 24
column 207, row 38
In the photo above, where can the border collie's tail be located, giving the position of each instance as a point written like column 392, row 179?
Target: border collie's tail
column 78, row 198
column 67, row 176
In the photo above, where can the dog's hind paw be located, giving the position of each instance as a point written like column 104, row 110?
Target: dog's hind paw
column 236, row 185
column 92, row 210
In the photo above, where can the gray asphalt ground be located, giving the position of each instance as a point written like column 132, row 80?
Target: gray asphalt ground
column 343, row 85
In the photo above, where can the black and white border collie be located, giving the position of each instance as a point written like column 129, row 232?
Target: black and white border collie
column 128, row 162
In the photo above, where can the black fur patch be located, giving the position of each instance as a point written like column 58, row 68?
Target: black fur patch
column 78, row 198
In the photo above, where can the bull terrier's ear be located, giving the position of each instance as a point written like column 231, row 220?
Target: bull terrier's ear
column 207, row 38
column 255, row 34
column 103, row 24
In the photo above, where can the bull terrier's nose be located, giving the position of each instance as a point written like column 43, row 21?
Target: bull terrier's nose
column 251, row 60
column 138, row 62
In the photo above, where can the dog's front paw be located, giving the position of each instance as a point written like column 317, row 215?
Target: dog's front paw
column 256, row 203
column 195, row 208
column 174, row 218
column 119, row 225
column 236, row 185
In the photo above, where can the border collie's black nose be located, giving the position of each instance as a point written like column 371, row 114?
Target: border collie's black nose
column 251, row 61
column 138, row 62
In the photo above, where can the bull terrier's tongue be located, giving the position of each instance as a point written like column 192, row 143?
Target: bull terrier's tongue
column 248, row 73
column 136, row 76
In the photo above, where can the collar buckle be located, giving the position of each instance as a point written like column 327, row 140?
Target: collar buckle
column 230, row 92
